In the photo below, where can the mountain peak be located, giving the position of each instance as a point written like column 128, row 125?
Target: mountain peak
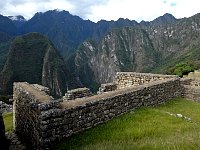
column 33, row 58
column 167, row 18
column 17, row 18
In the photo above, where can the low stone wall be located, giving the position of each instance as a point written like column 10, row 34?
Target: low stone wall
column 42, row 88
column 28, row 104
column 192, row 92
column 195, row 83
column 77, row 93
column 191, row 89
column 127, row 79
column 107, row 87
column 194, row 75
column 42, row 120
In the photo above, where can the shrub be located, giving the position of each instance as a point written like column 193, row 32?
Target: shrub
column 183, row 69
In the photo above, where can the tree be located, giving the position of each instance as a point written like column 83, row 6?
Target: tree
column 183, row 69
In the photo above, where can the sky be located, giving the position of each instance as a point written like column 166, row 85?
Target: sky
column 96, row 10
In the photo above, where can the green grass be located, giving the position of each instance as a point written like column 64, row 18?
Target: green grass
column 145, row 128
column 8, row 121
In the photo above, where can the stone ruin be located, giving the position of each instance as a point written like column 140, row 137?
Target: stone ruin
column 77, row 93
column 130, row 79
column 41, row 120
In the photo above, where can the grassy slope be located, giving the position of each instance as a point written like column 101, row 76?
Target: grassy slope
column 8, row 121
column 146, row 128
column 192, row 56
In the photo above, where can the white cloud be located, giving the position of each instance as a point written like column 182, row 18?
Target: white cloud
column 132, row 9
column 187, row 8
column 28, row 8
column 104, row 9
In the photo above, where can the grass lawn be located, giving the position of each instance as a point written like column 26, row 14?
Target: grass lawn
column 145, row 128
column 8, row 121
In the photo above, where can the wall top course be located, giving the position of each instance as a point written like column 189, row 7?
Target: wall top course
column 146, row 74
column 78, row 90
column 84, row 101
column 39, row 95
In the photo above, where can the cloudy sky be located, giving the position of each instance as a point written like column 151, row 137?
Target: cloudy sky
column 96, row 10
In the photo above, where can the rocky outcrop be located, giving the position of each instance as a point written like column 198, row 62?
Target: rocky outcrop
column 34, row 59
column 127, row 49
column 154, row 46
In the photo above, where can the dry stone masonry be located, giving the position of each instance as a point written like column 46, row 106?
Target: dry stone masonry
column 127, row 79
column 77, row 93
column 194, row 75
column 29, row 101
column 107, row 87
column 191, row 89
column 41, row 120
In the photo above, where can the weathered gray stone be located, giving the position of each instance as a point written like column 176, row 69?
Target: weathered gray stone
column 77, row 93
column 52, row 120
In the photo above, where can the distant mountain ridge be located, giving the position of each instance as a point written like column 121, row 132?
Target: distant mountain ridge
column 154, row 46
column 94, row 52
column 67, row 31
column 7, row 26
column 17, row 20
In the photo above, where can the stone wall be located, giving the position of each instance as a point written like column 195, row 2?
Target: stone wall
column 42, row 121
column 28, row 104
column 194, row 75
column 77, row 93
column 191, row 89
column 107, row 87
column 127, row 79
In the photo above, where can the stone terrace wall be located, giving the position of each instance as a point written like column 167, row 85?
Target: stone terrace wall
column 191, row 89
column 45, row 122
column 29, row 101
column 127, row 79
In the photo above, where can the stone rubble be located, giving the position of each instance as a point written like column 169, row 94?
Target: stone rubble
column 107, row 87
column 5, row 107
column 77, row 93
column 180, row 116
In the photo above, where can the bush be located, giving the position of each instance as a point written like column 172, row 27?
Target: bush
column 183, row 69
